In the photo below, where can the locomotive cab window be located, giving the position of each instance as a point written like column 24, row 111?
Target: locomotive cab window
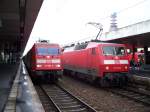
column 53, row 51
column 41, row 51
column 108, row 50
column 120, row 51
column 114, row 50
column 48, row 51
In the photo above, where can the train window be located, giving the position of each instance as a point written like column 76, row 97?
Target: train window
column 114, row 50
column 42, row 51
column 108, row 50
column 93, row 51
column 120, row 51
column 48, row 51
column 53, row 51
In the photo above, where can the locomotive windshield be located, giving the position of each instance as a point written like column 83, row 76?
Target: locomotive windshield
column 113, row 50
column 47, row 51
column 53, row 51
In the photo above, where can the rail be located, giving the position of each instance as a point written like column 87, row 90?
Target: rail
column 132, row 93
column 64, row 101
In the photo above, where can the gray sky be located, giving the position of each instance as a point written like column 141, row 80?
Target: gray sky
column 65, row 21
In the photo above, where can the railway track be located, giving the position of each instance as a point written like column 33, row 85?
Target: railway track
column 56, row 99
column 46, row 102
column 136, row 92
column 133, row 94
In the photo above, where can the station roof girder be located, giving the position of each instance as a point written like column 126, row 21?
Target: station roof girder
column 17, row 18
column 136, row 34
column 9, row 19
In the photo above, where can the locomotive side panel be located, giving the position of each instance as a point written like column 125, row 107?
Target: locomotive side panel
column 27, row 60
column 33, row 58
column 76, row 61
column 93, row 61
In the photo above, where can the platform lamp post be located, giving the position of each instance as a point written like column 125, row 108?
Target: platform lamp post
column 99, row 26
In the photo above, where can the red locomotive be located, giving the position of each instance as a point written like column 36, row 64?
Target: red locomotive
column 105, row 63
column 44, row 61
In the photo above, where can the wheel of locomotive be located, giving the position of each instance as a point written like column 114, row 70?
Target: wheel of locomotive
column 96, row 82
column 55, row 77
column 104, row 82
column 65, row 72
column 125, row 80
column 120, row 82
column 113, row 82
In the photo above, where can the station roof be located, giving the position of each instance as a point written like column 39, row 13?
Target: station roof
column 137, row 34
column 17, row 18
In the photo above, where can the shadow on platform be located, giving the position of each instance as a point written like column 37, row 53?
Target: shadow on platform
column 7, row 74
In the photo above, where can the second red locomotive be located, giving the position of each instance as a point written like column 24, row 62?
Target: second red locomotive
column 44, row 61
column 106, row 63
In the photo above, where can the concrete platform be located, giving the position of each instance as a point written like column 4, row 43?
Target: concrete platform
column 22, row 96
column 7, row 74
column 142, row 71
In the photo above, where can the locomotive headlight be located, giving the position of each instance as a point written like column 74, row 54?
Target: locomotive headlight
column 107, row 67
column 38, row 65
column 48, row 56
column 58, row 65
column 126, row 67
